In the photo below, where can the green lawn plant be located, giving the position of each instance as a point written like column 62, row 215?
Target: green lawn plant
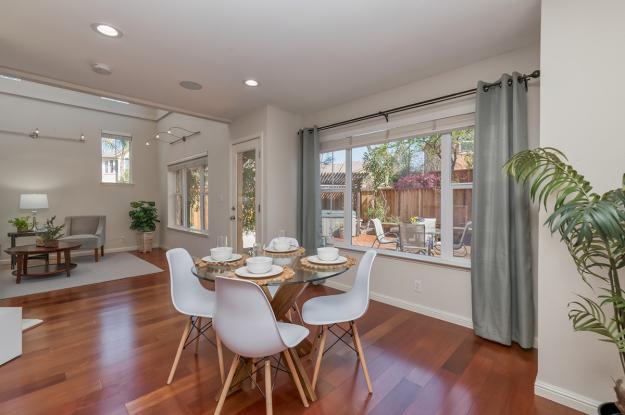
column 143, row 216
column 592, row 226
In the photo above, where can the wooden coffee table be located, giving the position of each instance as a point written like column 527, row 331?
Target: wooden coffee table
column 23, row 252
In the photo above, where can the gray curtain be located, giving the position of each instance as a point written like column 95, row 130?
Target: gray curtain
column 308, row 196
column 501, row 262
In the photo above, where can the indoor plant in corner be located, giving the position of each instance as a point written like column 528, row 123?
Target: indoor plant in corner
column 143, row 218
column 592, row 226
column 50, row 234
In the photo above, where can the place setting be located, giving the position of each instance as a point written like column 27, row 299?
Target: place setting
column 262, row 270
column 327, row 258
column 283, row 246
column 222, row 256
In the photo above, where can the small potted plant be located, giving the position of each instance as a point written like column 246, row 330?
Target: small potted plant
column 50, row 234
column 21, row 223
column 143, row 218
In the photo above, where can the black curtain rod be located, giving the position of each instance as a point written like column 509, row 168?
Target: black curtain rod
column 521, row 79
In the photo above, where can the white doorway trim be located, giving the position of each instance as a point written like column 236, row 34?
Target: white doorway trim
column 254, row 141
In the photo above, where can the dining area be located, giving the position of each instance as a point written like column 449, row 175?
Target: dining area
column 245, row 304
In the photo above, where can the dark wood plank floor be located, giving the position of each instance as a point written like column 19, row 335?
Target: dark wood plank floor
column 107, row 349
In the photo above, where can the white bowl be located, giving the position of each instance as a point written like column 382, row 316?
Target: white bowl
column 221, row 253
column 281, row 244
column 327, row 253
column 259, row 264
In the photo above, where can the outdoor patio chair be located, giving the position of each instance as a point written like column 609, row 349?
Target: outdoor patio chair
column 465, row 239
column 382, row 237
column 412, row 238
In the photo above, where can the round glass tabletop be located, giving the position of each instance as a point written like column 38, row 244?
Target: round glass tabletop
column 302, row 274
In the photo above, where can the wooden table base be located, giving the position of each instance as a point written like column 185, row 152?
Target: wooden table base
column 24, row 270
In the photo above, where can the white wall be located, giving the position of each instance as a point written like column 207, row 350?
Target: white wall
column 581, row 114
column 446, row 291
column 214, row 139
column 70, row 172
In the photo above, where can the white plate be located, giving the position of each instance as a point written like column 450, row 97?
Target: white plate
column 316, row 260
column 274, row 251
column 243, row 272
column 234, row 257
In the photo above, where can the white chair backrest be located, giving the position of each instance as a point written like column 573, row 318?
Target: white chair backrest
column 184, row 285
column 244, row 319
column 377, row 224
column 292, row 241
column 430, row 225
column 358, row 296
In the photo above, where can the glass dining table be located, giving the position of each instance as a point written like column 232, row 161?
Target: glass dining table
column 282, row 300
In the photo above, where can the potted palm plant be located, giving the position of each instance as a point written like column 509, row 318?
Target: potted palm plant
column 143, row 218
column 592, row 226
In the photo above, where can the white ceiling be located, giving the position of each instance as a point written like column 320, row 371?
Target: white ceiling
column 308, row 55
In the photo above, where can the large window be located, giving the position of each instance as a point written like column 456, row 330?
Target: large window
column 116, row 156
column 411, row 195
column 188, row 189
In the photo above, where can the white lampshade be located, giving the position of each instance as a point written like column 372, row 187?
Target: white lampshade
column 33, row 201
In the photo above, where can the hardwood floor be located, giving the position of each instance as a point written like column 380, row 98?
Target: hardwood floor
column 107, row 349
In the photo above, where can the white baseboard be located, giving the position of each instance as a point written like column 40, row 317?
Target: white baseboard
column 566, row 397
column 7, row 261
column 406, row 305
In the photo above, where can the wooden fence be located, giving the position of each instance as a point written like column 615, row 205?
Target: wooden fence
column 407, row 203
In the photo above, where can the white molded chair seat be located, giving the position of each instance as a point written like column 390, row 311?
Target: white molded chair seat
column 292, row 334
column 331, row 309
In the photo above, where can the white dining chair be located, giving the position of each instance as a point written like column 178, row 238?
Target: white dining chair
column 382, row 237
column 192, row 299
column 246, row 324
column 331, row 310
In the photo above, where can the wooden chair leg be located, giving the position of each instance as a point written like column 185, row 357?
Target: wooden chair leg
column 97, row 254
column 226, row 386
column 268, row 400
column 185, row 333
column 322, row 345
column 361, row 356
column 295, row 376
column 102, row 251
column 199, row 330
column 220, row 358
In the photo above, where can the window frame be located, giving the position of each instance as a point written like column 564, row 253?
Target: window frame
column 447, row 198
column 116, row 136
column 183, row 168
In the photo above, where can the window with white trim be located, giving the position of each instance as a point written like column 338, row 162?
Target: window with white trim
column 410, row 194
column 116, row 152
column 188, row 194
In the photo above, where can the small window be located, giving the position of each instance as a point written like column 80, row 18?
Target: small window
column 116, row 159
column 188, row 188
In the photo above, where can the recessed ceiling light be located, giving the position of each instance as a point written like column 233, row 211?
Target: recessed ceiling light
column 10, row 78
column 251, row 82
column 115, row 100
column 106, row 30
column 191, row 85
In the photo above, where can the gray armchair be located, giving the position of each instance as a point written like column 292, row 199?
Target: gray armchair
column 90, row 231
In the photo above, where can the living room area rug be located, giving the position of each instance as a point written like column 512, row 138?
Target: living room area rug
column 111, row 267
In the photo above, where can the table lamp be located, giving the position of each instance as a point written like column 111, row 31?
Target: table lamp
column 32, row 202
